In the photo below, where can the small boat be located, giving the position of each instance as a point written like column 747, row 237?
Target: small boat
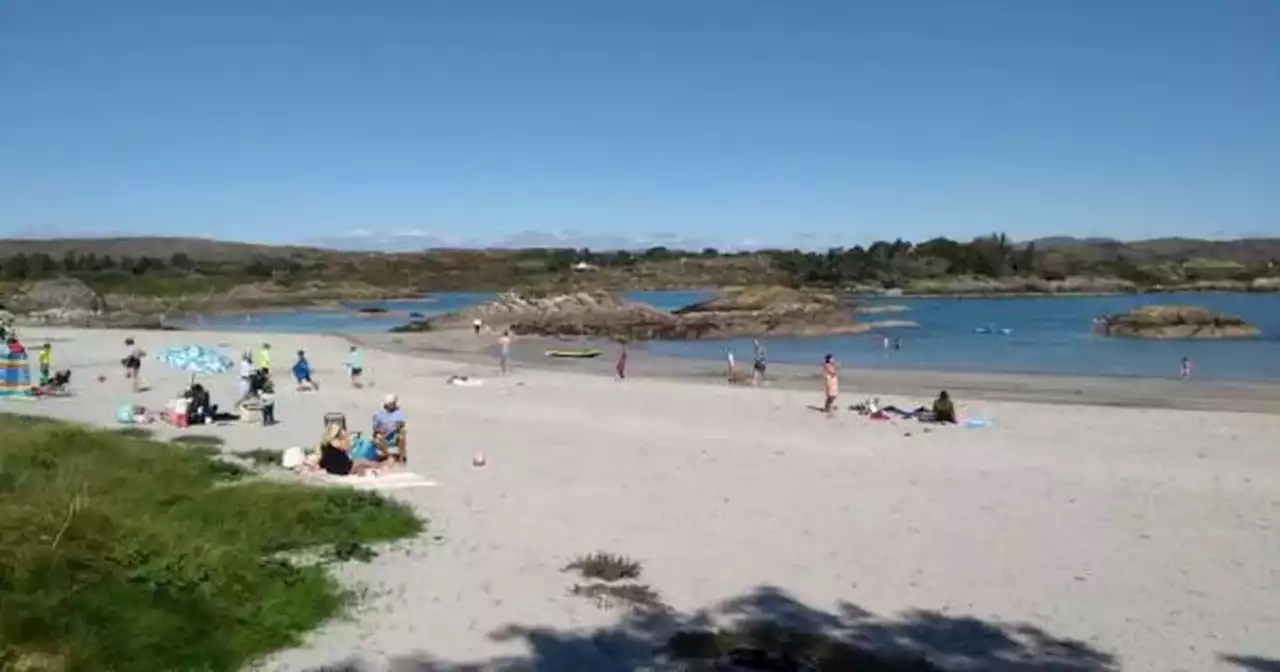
column 575, row 353
column 982, row 330
column 1006, row 331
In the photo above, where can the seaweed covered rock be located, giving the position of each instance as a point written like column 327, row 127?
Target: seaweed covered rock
column 772, row 311
column 1176, row 322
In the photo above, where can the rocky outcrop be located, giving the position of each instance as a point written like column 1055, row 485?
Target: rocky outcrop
column 59, row 294
column 755, row 311
column 1176, row 322
column 772, row 311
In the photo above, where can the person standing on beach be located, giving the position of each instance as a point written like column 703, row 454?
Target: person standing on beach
column 476, row 324
column 133, row 364
column 1184, row 371
column 264, row 358
column 355, row 364
column 758, row 365
column 830, row 383
column 732, row 364
column 46, row 363
column 621, row 367
column 504, row 355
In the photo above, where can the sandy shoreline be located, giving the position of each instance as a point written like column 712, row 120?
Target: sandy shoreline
column 1151, row 537
column 920, row 385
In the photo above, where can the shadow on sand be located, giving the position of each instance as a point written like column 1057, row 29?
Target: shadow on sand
column 1254, row 663
column 851, row 639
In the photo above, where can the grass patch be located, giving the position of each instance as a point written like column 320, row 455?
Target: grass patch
column 605, row 567
column 263, row 457
column 768, row 646
column 134, row 432
column 634, row 597
column 198, row 440
column 122, row 553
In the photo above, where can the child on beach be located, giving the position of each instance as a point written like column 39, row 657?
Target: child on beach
column 133, row 364
column 1184, row 371
column 830, row 383
column 302, row 373
column 355, row 364
column 621, row 367
column 46, row 357
column 504, row 346
column 757, row 366
column 264, row 357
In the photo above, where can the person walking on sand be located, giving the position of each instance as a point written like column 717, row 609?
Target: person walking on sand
column 830, row 383
column 302, row 373
column 504, row 351
column 757, row 365
column 355, row 364
column 133, row 364
column 621, row 367
column 1184, row 371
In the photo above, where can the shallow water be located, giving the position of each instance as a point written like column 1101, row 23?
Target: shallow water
column 1049, row 335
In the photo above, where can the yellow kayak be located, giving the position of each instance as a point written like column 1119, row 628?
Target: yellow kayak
column 578, row 353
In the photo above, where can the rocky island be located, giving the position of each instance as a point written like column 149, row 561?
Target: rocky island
column 1176, row 322
column 738, row 312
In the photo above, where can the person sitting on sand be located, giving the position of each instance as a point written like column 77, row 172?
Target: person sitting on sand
column 943, row 409
column 335, row 457
column 389, row 430
column 355, row 364
column 302, row 373
column 830, row 383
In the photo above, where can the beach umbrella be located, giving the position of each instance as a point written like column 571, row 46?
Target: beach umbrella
column 196, row 359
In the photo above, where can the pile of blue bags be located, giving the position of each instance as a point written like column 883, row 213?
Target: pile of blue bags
column 197, row 359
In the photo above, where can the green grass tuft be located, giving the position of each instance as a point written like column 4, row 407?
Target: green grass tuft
column 122, row 553
column 605, row 567
column 634, row 597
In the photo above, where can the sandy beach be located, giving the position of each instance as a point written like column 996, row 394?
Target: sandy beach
column 1093, row 525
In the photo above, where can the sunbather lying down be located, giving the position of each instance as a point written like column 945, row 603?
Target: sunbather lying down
column 943, row 411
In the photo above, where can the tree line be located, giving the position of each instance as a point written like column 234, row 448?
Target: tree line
column 886, row 263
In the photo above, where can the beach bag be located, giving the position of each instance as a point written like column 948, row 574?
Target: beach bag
column 292, row 458
column 363, row 449
column 124, row 414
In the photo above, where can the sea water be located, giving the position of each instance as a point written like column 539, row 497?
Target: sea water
column 1046, row 334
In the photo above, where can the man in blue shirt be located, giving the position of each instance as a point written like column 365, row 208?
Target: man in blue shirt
column 389, row 430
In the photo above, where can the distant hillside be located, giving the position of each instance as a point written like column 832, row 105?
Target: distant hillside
column 187, row 272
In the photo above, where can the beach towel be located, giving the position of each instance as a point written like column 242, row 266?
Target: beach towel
column 398, row 480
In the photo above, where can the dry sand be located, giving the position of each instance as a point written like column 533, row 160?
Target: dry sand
column 1149, row 535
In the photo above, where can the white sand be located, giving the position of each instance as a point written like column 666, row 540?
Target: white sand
column 1150, row 535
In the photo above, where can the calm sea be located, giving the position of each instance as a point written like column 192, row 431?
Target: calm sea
column 1048, row 335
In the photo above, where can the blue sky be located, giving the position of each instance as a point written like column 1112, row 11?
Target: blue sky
column 721, row 122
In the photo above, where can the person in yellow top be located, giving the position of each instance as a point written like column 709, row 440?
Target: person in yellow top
column 264, row 357
column 46, row 363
